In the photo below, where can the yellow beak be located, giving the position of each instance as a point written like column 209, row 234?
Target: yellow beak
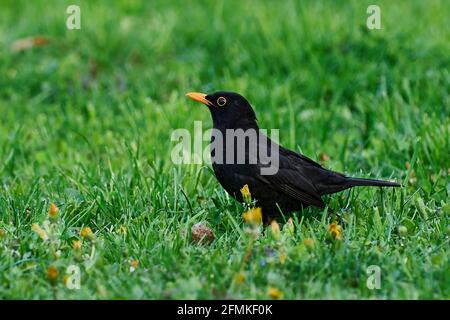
column 200, row 97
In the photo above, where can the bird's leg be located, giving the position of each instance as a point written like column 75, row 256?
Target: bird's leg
column 336, row 215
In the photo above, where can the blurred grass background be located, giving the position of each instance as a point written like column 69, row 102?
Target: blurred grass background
column 86, row 123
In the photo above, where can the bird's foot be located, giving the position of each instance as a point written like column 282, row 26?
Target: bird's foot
column 336, row 216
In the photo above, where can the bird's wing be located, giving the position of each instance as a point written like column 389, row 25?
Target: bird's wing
column 294, row 184
column 291, row 178
column 294, row 155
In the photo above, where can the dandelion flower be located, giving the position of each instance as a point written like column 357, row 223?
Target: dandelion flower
column 86, row 233
column 275, row 230
column 239, row 278
column 253, row 216
column 309, row 243
column 246, row 195
column 53, row 211
column 282, row 257
column 274, row 293
column 40, row 232
column 52, row 273
column 134, row 264
column 122, row 230
column 289, row 227
column 335, row 231
column 76, row 244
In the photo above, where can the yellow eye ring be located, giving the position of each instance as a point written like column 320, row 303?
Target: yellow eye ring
column 221, row 101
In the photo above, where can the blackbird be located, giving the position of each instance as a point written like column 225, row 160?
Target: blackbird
column 297, row 181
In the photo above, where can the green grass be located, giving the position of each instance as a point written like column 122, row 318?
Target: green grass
column 86, row 123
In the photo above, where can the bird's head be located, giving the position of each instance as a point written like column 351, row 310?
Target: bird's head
column 228, row 109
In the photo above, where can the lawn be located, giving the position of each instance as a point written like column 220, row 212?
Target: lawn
column 86, row 123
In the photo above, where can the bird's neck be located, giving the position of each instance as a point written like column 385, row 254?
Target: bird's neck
column 237, row 130
column 244, row 124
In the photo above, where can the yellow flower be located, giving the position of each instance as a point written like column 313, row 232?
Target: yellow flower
column 246, row 195
column 282, row 257
column 53, row 211
column 2, row 233
column 335, row 231
column 309, row 243
column 40, row 232
column 134, row 264
column 239, row 278
column 253, row 216
column 275, row 230
column 86, row 232
column 76, row 244
column 52, row 273
column 122, row 230
column 289, row 227
column 274, row 293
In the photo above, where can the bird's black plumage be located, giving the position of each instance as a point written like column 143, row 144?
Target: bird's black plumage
column 299, row 181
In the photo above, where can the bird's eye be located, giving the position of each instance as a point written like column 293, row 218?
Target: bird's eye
column 221, row 101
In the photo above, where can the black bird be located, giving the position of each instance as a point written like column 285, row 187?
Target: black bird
column 298, row 181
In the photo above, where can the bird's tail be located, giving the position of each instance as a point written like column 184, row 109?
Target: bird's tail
column 355, row 182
